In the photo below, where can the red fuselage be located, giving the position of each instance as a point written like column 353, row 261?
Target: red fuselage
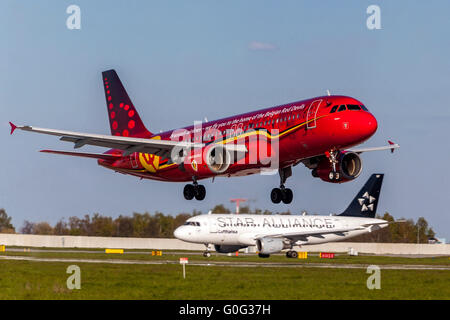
column 304, row 129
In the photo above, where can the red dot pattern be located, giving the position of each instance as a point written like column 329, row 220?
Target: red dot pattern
column 117, row 120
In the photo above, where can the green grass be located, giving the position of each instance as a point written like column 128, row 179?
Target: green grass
column 47, row 280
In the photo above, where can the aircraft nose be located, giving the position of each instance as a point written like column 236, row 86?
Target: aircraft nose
column 365, row 126
column 371, row 124
column 180, row 233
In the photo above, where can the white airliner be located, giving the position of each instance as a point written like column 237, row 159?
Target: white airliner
column 274, row 233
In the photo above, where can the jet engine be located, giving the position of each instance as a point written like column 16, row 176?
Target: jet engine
column 211, row 160
column 348, row 167
column 227, row 249
column 268, row 245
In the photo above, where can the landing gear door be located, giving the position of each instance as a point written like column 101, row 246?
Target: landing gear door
column 312, row 114
column 133, row 160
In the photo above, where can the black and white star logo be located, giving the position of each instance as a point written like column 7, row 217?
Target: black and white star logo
column 366, row 202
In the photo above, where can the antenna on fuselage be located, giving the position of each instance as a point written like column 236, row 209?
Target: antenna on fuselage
column 328, row 92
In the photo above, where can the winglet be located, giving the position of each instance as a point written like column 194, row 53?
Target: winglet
column 13, row 127
column 391, row 143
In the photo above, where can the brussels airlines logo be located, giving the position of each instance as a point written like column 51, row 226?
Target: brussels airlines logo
column 366, row 202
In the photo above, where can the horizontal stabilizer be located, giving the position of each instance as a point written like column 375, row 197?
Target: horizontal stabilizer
column 102, row 156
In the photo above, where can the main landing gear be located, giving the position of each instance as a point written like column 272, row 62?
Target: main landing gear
column 194, row 190
column 292, row 254
column 282, row 193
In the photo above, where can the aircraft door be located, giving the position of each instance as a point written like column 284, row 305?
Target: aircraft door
column 312, row 113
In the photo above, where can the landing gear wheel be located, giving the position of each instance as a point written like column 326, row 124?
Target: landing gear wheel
column 200, row 192
column 276, row 195
column 189, row 192
column 334, row 175
column 287, row 196
column 207, row 254
column 291, row 254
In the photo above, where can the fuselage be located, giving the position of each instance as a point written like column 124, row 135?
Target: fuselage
column 244, row 229
column 303, row 128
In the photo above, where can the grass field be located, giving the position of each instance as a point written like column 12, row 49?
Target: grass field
column 47, row 280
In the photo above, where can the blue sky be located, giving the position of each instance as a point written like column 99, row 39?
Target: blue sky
column 185, row 60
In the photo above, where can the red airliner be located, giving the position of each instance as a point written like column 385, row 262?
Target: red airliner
column 317, row 132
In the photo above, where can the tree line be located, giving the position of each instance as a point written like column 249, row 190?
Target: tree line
column 159, row 225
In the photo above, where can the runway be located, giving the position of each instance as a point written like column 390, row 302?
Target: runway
column 231, row 264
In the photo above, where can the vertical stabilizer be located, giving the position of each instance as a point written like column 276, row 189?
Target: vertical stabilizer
column 123, row 117
column 366, row 201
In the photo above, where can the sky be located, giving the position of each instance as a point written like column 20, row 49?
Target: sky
column 182, row 61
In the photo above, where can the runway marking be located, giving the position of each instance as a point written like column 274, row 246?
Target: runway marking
column 232, row 264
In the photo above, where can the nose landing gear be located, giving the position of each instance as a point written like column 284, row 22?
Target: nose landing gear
column 206, row 253
column 332, row 157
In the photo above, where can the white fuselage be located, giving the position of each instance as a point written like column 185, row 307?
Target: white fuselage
column 244, row 229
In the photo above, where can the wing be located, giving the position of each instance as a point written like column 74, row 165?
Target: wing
column 392, row 146
column 129, row 145
column 303, row 235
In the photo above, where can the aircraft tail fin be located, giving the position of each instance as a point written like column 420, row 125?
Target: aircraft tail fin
column 123, row 117
column 366, row 201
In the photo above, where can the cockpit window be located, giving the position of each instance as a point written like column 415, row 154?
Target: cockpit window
column 333, row 109
column 192, row 223
column 364, row 108
column 342, row 108
column 353, row 107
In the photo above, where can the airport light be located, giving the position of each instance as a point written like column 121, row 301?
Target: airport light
column 238, row 201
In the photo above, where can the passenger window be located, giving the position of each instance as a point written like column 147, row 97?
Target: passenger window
column 342, row 108
column 334, row 109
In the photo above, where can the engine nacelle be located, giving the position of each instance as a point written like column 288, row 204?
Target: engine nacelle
column 211, row 160
column 268, row 245
column 227, row 249
column 349, row 167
